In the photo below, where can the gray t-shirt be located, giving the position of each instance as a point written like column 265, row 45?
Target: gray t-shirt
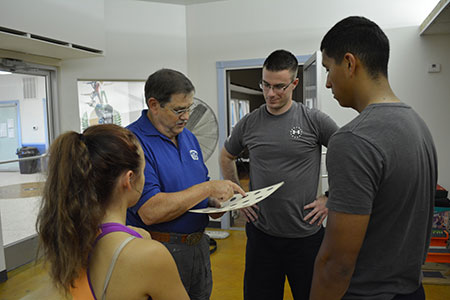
column 287, row 148
column 383, row 164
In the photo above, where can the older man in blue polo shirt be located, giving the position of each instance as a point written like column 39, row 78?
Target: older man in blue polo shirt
column 176, row 180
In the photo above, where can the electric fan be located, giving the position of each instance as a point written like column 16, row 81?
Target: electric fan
column 203, row 124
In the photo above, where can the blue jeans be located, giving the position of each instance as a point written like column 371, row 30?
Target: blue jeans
column 194, row 267
column 269, row 260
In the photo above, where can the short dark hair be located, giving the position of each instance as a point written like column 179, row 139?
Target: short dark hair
column 361, row 37
column 281, row 60
column 164, row 83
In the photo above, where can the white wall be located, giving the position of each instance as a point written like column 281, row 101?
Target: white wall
column 427, row 93
column 31, row 110
column 235, row 30
column 141, row 37
column 79, row 22
column 32, row 115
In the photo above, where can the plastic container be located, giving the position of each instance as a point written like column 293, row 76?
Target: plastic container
column 28, row 166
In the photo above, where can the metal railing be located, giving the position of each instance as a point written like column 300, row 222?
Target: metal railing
column 24, row 159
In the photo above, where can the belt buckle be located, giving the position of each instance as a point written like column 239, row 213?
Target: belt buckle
column 194, row 238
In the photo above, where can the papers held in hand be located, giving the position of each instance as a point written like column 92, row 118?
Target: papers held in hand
column 238, row 201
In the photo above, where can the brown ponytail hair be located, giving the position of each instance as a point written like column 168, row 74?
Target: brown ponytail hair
column 83, row 170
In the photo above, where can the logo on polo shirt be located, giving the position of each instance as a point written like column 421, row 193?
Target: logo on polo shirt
column 194, row 154
column 296, row 132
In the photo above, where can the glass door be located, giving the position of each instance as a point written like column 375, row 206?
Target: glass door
column 26, row 130
column 312, row 72
column 311, row 77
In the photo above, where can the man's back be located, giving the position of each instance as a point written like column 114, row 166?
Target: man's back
column 386, row 158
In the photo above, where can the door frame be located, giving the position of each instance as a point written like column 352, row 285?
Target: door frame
column 24, row 251
column 315, row 58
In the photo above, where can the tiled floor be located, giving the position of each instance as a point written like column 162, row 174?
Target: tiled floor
column 18, row 213
column 18, row 218
column 227, row 264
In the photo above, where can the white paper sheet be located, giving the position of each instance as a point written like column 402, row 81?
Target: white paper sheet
column 11, row 133
column 3, row 130
column 238, row 202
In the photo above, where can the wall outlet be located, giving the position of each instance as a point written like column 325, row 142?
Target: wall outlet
column 434, row 68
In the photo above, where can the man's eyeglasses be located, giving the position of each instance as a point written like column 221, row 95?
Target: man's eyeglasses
column 180, row 112
column 277, row 88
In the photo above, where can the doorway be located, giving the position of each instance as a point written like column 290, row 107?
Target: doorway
column 27, row 126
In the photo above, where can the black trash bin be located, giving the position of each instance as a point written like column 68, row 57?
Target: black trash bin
column 28, row 166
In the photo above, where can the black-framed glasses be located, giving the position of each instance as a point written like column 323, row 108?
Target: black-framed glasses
column 180, row 112
column 277, row 88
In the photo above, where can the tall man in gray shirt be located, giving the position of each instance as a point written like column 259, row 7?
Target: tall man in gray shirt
column 382, row 174
column 284, row 140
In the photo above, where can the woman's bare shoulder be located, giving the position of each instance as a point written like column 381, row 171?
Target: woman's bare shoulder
column 151, row 267
column 150, row 252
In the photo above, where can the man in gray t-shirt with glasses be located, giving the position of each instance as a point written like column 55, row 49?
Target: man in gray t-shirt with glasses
column 284, row 139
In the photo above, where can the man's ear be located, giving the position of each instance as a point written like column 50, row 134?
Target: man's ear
column 295, row 82
column 350, row 63
column 153, row 104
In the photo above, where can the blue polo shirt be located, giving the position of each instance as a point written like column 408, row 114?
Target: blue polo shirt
column 169, row 169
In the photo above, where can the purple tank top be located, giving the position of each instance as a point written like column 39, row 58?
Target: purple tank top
column 114, row 227
column 107, row 228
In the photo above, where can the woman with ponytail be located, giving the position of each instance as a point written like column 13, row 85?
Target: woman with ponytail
column 92, row 179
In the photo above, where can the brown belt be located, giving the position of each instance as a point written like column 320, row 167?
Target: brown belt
column 177, row 238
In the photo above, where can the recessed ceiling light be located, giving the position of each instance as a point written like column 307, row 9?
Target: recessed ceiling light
column 5, row 72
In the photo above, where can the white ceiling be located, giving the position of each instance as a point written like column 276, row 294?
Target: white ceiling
column 183, row 2
column 438, row 22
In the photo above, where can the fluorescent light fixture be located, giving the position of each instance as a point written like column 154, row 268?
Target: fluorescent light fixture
column 4, row 72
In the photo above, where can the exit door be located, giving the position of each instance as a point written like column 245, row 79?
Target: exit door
column 27, row 103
